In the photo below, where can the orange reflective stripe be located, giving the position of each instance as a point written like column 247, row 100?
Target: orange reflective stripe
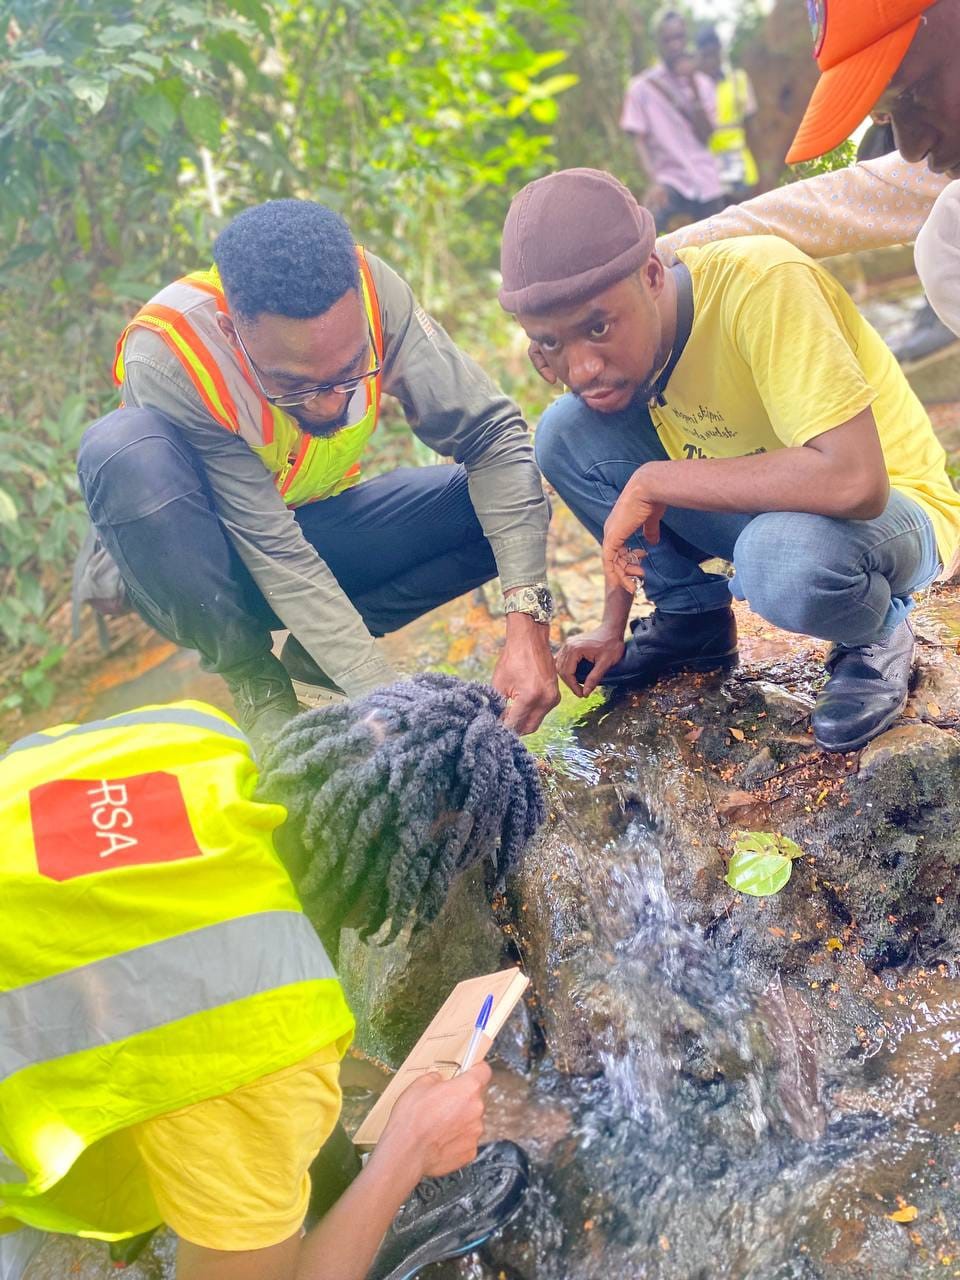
column 207, row 376
column 374, row 307
column 298, row 462
column 373, row 311
column 208, row 282
column 162, row 328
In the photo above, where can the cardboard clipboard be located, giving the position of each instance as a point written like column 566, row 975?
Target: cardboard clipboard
column 442, row 1046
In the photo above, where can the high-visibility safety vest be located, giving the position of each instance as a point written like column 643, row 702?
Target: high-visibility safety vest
column 730, row 135
column 153, row 954
column 305, row 468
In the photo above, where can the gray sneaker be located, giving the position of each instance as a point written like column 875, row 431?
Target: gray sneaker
column 311, row 684
column 263, row 696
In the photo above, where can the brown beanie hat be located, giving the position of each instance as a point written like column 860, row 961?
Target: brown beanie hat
column 569, row 236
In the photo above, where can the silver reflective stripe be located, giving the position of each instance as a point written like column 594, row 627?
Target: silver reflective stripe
column 173, row 715
column 153, row 985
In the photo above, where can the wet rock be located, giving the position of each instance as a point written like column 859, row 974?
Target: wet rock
column 396, row 989
column 709, row 1041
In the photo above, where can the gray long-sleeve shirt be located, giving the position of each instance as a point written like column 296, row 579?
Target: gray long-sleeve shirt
column 450, row 404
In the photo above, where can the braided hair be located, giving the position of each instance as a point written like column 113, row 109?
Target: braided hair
column 390, row 796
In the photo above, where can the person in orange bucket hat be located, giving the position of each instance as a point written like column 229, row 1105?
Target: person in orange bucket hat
column 860, row 46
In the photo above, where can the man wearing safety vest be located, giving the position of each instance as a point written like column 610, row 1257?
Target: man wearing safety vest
column 736, row 108
column 170, row 1025
column 226, row 490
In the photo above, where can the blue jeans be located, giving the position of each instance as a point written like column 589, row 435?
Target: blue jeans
column 848, row 581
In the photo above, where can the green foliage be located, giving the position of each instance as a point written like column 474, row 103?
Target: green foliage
column 839, row 158
column 417, row 119
column 761, row 863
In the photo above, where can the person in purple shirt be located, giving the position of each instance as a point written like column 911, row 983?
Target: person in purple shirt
column 671, row 111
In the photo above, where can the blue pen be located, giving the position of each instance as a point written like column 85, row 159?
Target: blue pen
column 483, row 1017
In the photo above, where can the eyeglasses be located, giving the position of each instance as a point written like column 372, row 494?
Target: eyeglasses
column 292, row 399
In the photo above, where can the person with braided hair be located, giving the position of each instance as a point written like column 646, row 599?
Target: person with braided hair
column 170, row 1040
column 391, row 796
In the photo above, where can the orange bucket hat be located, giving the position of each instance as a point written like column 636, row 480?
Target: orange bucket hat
column 858, row 45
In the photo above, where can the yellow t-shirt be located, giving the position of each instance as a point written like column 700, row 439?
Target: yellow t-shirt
column 232, row 1172
column 778, row 355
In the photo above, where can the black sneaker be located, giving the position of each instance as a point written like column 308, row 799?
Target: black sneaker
column 448, row 1217
column 263, row 696
column 311, row 683
column 926, row 335
column 663, row 643
column 866, row 692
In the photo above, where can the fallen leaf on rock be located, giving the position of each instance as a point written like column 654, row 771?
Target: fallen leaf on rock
column 762, row 862
column 908, row 1213
column 833, row 944
column 738, row 734
column 694, row 735
column 736, row 802
column 933, row 710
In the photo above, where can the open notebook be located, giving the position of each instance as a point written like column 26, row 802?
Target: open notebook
column 442, row 1046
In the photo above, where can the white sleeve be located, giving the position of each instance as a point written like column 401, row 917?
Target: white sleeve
column 937, row 256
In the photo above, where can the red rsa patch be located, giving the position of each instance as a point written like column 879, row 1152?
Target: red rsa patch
column 83, row 826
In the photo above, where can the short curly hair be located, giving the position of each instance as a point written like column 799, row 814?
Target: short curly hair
column 286, row 258
column 391, row 796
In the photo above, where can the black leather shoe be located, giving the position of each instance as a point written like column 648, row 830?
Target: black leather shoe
column 663, row 643
column 926, row 335
column 263, row 696
column 448, row 1217
column 310, row 682
column 867, row 690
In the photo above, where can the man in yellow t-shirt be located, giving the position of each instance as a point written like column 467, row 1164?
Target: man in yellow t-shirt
column 368, row 838
column 735, row 405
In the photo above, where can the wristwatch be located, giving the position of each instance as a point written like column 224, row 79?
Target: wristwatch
column 535, row 600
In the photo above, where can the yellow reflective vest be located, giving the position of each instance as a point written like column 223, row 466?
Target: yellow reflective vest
column 305, row 468
column 153, row 954
column 729, row 140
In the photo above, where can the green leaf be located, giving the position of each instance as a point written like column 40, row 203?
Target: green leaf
column 132, row 69
column 36, row 59
column 229, row 48
column 92, row 90
column 117, row 37
column 557, row 84
column 544, row 112
column 762, row 862
column 256, row 12
column 8, row 509
column 202, row 117
column 156, row 110
column 147, row 59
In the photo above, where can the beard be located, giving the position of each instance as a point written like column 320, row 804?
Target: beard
column 325, row 429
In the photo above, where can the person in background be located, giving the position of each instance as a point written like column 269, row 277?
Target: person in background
column 171, row 1026
column 736, row 109
column 896, row 59
column 670, row 111
column 734, row 405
